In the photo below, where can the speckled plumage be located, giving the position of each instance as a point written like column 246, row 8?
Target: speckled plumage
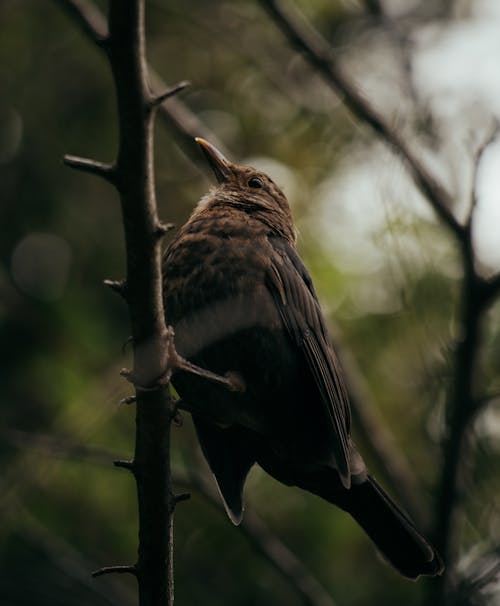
column 241, row 300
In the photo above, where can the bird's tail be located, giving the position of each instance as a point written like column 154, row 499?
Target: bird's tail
column 393, row 533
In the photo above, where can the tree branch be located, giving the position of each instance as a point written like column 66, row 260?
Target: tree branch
column 133, row 176
column 463, row 404
column 270, row 547
column 318, row 53
column 135, row 182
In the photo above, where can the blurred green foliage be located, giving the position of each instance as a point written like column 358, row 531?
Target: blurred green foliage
column 392, row 297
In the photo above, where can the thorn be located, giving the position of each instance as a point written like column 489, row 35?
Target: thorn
column 117, row 569
column 128, row 400
column 101, row 169
column 118, row 286
column 159, row 99
column 129, row 465
column 163, row 228
column 127, row 374
column 183, row 496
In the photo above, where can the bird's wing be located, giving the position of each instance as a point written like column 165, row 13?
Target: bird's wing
column 293, row 293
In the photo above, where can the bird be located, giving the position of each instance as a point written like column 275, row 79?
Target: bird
column 243, row 304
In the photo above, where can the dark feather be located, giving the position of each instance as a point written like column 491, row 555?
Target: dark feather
column 302, row 318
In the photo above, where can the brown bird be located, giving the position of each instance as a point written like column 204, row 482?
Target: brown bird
column 241, row 301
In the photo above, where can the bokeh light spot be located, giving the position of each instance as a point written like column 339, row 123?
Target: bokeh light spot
column 40, row 266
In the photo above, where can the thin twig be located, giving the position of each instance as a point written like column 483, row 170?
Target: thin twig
column 271, row 547
column 319, row 54
column 170, row 92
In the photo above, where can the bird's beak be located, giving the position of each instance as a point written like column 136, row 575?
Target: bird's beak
column 219, row 164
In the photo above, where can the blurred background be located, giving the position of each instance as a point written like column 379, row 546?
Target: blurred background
column 387, row 271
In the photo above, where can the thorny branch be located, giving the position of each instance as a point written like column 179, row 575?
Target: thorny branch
column 132, row 175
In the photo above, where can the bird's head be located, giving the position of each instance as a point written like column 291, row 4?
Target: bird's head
column 248, row 190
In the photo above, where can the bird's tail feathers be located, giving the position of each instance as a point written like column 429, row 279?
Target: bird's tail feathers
column 391, row 530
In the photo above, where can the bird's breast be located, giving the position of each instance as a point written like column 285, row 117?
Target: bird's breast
column 214, row 281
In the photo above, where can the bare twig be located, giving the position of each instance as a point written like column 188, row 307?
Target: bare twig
column 319, row 54
column 269, row 545
column 170, row 92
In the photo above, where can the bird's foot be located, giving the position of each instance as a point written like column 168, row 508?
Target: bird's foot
column 231, row 380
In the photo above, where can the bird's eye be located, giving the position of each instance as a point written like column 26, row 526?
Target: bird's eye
column 255, row 182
